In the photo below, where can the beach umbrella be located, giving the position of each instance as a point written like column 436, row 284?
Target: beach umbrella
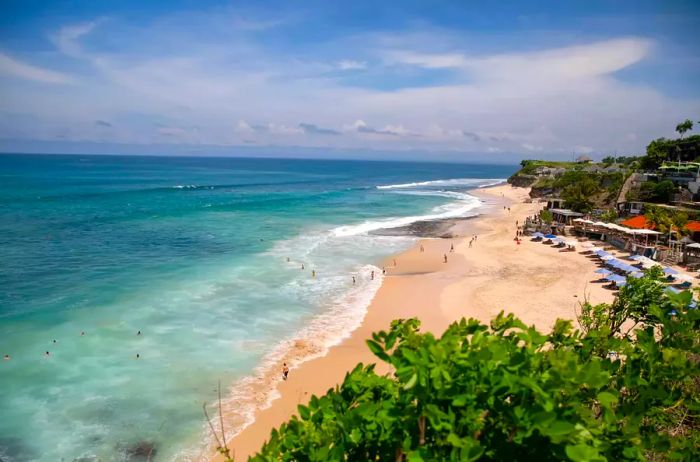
column 607, row 257
column 614, row 262
column 673, row 290
column 636, row 257
column 550, row 236
column 670, row 271
column 603, row 271
column 629, row 269
column 636, row 275
column 684, row 277
column 616, row 278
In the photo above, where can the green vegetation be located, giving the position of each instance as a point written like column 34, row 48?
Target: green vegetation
column 665, row 220
column 530, row 166
column 625, row 388
column 546, row 216
column 685, row 126
column 652, row 191
column 609, row 216
column 662, row 149
column 621, row 160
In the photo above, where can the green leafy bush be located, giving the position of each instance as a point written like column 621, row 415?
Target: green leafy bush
column 624, row 388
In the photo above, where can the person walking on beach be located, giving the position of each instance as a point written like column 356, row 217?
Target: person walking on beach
column 285, row 371
column 383, row 270
column 394, row 261
column 422, row 249
column 353, row 280
column 445, row 258
column 470, row 242
column 371, row 275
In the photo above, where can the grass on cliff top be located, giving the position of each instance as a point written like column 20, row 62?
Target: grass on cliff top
column 529, row 166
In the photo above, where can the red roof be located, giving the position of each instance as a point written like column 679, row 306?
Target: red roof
column 640, row 222
column 693, row 226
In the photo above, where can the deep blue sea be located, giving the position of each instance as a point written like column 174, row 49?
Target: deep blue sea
column 191, row 252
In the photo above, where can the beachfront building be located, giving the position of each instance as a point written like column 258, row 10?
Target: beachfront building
column 554, row 203
column 564, row 216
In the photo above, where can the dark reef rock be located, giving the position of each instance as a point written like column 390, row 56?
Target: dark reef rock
column 425, row 228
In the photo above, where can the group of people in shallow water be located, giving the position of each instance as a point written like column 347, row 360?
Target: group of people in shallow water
column 47, row 353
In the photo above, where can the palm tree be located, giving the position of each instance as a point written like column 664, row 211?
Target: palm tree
column 684, row 126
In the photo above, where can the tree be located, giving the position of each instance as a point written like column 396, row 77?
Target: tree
column 546, row 216
column 663, row 191
column 684, row 126
column 608, row 160
column 625, row 388
column 579, row 196
column 609, row 216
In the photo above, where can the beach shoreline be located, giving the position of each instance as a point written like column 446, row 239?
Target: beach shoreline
column 478, row 280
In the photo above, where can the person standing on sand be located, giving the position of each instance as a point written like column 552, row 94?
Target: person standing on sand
column 394, row 261
column 285, row 371
column 470, row 242
column 353, row 280
column 452, row 247
column 445, row 258
column 421, row 248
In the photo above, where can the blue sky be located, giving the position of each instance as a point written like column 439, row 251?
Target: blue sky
column 487, row 81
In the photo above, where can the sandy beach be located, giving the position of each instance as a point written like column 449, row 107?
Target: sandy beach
column 535, row 282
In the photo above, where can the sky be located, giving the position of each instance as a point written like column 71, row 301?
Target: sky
column 463, row 80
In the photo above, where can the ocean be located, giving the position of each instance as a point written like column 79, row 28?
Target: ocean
column 194, row 265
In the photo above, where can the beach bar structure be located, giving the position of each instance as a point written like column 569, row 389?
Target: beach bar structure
column 634, row 240
column 565, row 216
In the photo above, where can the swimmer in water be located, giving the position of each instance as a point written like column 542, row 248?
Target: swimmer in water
column 371, row 276
column 353, row 279
column 138, row 356
column 313, row 273
column 302, row 266
column 138, row 333
column 6, row 357
column 47, row 354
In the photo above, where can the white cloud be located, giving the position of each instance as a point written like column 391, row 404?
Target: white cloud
column 546, row 101
column 530, row 147
column 67, row 38
column 581, row 149
column 349, row 65
column 13, row 68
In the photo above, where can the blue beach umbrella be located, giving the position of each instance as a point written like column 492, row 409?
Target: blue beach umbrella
column 616, row 278
column 615, row 263
column 670, row 271
column 673, row 290
column 637, row 274
column 603, row 271
column 636, row 257
column 629, row 269
column 550, row 236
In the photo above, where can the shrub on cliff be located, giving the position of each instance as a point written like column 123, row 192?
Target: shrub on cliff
column 624, row 388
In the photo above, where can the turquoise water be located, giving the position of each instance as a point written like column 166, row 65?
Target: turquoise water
column 192, row 253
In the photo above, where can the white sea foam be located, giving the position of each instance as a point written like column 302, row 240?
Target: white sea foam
column 454, row 182
column 461, row 208
column 258, row 390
